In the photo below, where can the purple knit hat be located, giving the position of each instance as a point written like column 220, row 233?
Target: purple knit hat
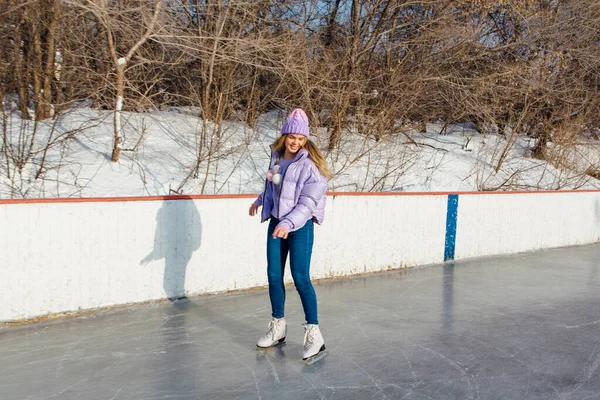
column 296, row 123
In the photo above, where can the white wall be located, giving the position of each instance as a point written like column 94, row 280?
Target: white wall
column 490, row 224
column 65, row 256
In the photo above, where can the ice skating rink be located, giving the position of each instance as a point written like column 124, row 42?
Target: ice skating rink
column 525, row 326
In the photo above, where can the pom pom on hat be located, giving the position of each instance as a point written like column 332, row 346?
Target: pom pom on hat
column 296, row 123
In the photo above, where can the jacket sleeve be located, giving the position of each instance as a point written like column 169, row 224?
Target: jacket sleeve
column 312, row 191
column 259, row 201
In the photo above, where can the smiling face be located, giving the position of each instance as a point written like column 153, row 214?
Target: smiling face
column 293, row 143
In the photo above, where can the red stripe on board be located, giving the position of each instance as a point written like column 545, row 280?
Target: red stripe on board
column 334, row 194
column 253, row 196
column 128, row 199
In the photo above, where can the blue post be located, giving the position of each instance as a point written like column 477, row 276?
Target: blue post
column 451, row 216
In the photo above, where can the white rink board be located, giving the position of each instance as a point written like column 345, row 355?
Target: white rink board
column 62, row 257
column 67, row 256
column 507, row 223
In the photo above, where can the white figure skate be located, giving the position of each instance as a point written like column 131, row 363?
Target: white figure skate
column 275, row 335
column 314, row 344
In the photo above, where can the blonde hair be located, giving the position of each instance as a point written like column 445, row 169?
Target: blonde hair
column 313, row 153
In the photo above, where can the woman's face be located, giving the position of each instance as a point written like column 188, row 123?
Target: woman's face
column 293, row 143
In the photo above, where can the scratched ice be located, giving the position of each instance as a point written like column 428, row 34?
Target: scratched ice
column 517, row 327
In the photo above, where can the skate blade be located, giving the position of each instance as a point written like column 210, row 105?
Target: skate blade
column 319, row 356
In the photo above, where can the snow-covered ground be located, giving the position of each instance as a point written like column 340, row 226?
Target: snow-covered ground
column 163, row 149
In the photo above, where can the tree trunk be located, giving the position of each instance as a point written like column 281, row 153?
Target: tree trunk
column 330, row 32
column 539, row 150
column 35, row 49
column 46, row 98
column 21, row 71
column 120, row 81
column 120, row 64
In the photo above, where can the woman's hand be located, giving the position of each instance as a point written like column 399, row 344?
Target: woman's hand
column 280, row 232
column 253, row 209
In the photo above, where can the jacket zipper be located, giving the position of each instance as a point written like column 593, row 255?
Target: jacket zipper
column 281, row 190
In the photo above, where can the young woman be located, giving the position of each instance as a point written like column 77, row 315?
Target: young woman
column 293, row 200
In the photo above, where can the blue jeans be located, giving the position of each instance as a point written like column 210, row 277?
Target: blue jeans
column 299, row 246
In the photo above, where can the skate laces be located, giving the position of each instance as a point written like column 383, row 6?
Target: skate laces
column 271, row 331
column 310, row 335
column 273, row 328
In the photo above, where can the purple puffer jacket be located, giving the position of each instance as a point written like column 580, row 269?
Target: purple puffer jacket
column 302, row 193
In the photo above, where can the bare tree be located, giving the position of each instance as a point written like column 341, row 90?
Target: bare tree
column 377, row 68
column 114, row 29
column 30, row 38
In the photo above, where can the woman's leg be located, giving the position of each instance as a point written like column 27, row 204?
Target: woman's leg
column 300, row 244
column 277, row 250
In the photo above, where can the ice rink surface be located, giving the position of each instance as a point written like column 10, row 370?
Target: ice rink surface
column 525, row 326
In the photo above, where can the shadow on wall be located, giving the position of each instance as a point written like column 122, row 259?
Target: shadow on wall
column 178, row 234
